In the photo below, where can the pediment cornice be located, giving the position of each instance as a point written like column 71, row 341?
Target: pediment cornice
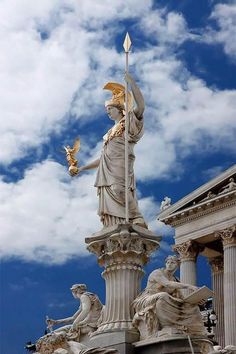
column 210, row 197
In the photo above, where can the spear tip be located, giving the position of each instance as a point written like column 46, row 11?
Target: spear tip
column 127, row 43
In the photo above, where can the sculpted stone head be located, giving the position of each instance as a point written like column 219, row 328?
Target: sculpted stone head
column 172, row 263
column 78, row 289
column 115, row 112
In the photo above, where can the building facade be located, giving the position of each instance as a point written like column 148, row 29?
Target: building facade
column 205, row 223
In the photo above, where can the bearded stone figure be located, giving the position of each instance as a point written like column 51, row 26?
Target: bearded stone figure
column 161, row 309
column 110, row 179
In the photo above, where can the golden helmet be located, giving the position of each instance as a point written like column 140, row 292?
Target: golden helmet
column 118, row 96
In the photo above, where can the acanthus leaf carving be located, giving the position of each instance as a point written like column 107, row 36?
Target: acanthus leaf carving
column 188, row 250
column 217, row 264
column 227, row 235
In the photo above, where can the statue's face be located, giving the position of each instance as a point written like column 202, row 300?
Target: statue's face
column 171, row 265
column 77, row 292
column 113, row 112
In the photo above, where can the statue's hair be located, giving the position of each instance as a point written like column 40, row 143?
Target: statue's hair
column 79, row 286
column 173, row 258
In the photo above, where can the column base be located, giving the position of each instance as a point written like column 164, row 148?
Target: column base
column 119, row 340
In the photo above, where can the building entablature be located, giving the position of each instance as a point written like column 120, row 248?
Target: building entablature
column 202, row 208
column 220, row 192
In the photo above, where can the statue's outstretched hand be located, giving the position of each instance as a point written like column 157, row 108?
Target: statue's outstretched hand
column 74, row 170
column 50, row 322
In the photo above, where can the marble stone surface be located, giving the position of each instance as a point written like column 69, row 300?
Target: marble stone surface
column 123, row 250
column 175, row 345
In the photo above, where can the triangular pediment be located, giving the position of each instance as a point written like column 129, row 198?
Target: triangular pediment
column 216, row 188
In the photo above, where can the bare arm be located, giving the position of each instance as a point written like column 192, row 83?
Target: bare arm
column 66, row 320
column 90, row 166
column 178, row 285
column 138, row 97
column 159, row 278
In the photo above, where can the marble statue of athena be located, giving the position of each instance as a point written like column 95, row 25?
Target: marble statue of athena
column 110, row 179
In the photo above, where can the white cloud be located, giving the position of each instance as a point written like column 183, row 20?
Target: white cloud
column 183, row 116
column 225, row 16
column 166, row 27
column 45, row 216
column 43, row 80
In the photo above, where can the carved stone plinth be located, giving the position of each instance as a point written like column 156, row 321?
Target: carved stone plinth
column 175, row 345
column 122, row 250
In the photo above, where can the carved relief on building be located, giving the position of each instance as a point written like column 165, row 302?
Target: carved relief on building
column 228, row 187
column 228, row 236
column 217, row 264
column 188, row 250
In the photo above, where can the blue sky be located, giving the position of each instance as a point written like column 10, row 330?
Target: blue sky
column 55, row 58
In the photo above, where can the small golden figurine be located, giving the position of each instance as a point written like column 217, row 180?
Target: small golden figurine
column 70, row 156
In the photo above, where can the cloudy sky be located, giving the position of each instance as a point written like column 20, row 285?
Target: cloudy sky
column 55, row 57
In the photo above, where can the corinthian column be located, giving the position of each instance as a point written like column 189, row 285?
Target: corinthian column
column 228, row 237
column 188, row 252
column 122, row 250
column 217, row 274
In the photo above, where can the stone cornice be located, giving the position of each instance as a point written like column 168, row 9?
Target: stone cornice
column 167, row 213
column 197, row 211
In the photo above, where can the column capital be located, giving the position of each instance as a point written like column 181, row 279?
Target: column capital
column 228, row 236
column 217, row 264
column 188, row 250
column 123, row 243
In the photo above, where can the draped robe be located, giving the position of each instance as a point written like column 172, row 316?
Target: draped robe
column 110, row 179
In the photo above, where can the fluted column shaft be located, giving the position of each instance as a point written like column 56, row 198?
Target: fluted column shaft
column 228, row 237
column 122, row 287
column 217, row 273
column 123, row 252
column 188, row 252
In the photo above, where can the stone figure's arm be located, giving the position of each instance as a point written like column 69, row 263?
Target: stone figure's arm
column 85, row 309
column 90, row 166
column 66, row 320
column 161, row 279
column 138, row 97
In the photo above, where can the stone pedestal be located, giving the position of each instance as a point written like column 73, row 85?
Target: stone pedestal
column 174, row 345
column 188, row 252
column 217, row 272
column 228, row 237
column 122, row 250
column 119, row 340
